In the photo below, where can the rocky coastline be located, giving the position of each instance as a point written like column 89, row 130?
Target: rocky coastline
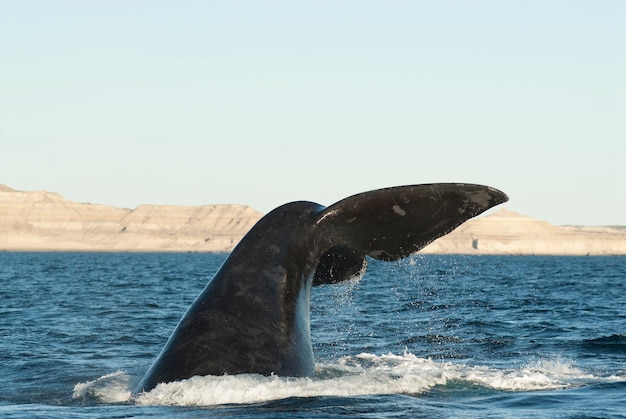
column 45, row 221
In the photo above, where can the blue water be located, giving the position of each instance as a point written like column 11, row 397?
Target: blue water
column 430, row 336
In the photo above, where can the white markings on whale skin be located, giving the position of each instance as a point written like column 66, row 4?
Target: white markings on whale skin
column 398, row 210
column 482, row 198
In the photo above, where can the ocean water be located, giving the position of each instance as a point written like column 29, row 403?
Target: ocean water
column 429, row 336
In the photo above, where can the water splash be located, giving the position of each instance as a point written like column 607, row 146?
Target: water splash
column 110, row 388
column 360, row 375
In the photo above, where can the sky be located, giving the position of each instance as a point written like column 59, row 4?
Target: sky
column 128, row 102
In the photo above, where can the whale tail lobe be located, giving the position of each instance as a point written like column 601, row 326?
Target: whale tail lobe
column 393, row 223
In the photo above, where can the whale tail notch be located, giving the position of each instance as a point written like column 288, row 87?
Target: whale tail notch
column 339, row 263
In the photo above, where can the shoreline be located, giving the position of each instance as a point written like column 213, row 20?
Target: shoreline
column 215, row 252
column 42, row 221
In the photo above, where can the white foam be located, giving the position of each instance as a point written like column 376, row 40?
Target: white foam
column 359, row 375
column 110, row 388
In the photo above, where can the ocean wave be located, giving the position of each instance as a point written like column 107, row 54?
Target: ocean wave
column 360, row 375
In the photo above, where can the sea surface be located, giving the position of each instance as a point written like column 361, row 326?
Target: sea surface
column 430, row 336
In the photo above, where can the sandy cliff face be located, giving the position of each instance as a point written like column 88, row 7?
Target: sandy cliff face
column 46, row 221
column 506, row 232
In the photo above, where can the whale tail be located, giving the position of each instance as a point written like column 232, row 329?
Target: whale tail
column 253, row 316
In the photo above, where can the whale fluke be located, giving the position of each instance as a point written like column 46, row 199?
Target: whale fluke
column 253, row 316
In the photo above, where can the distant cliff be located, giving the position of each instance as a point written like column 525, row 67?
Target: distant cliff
column 505, row 232
column 45, row 221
